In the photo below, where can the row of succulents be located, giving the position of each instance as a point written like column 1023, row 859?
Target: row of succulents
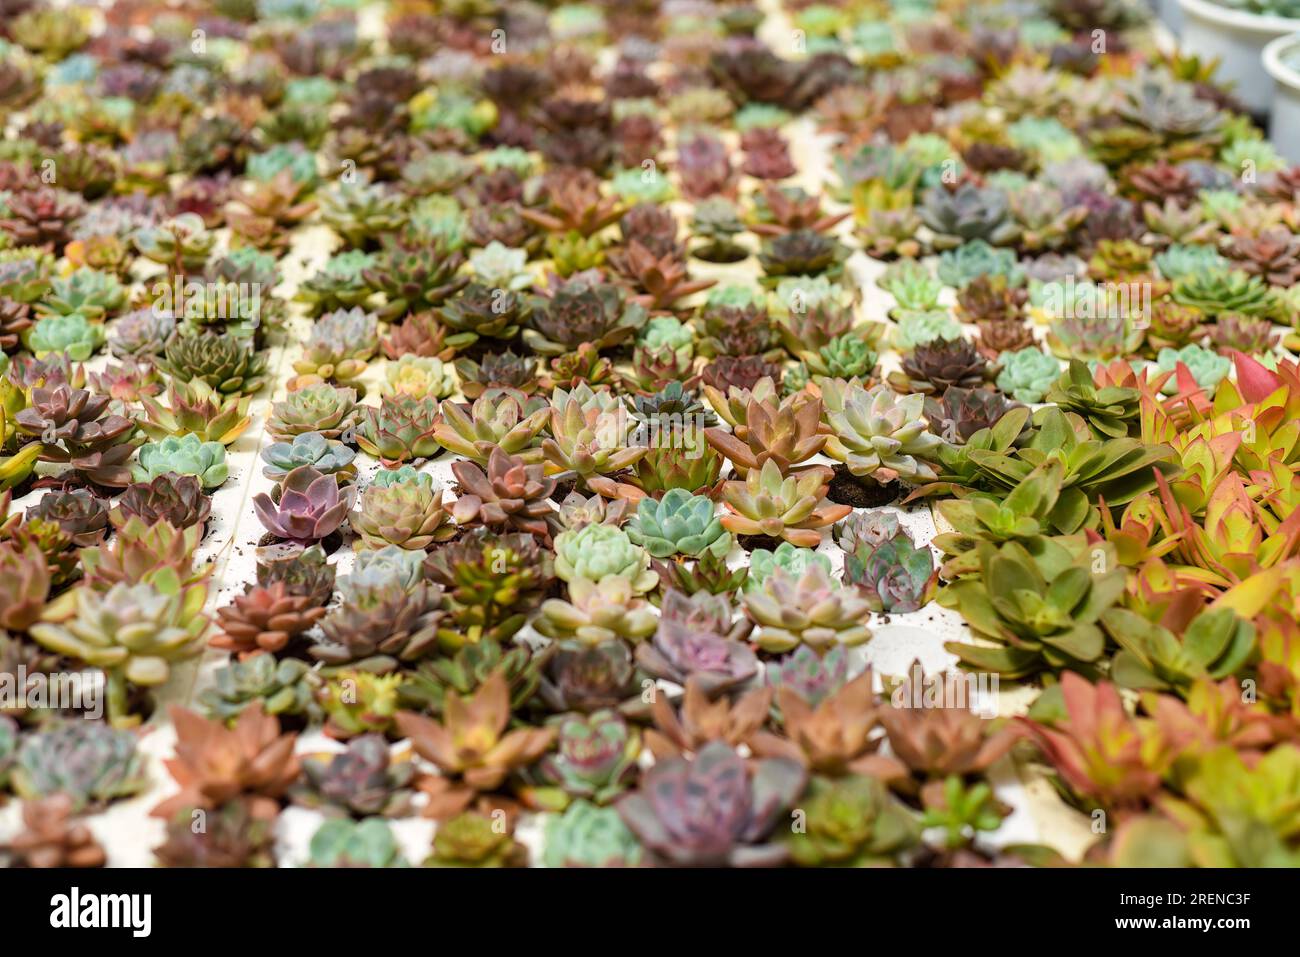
column 583, row 396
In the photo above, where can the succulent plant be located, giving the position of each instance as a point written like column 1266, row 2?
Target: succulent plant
column 52, row 838
column 264, row 619
column 679, row 523
column 233, row 837
column 852, row 822
column 328, row 456
column 343, row 842
column 1243, row 333
column 361, row 781
column 184, row 455
column 308, row 506
column 786, row 557
column 808, row 674
column 194, row 408
column 712, row 810
column 1109, row 410
column 322, row 408
column 81, row 515
column 895, row 576
column 400, row 430
column 91, row 762
column 1207, row 368
column 498, row 418
column 304, row 571
column 409, row 514
column 471, row 746
column 384, row 619
column 1028, row 374
column 471, row 839
column 1056, row 628
column 177, row 499
column 280, row 687
column 582, row 310
column 510, row 495
column 965, row 214
column 1218, row 292
column 340, row 345
column 877, row 434
column 358, row 702
column 598, row 551
column 808, row 610
column 73, row 334
column 792, row 508
column 24, row 585
column 131, row 631
column 586, row 835
column 595, row 759
column 224, row 361
column 492, row 581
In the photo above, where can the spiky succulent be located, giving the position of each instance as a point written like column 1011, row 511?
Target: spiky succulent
column 224, row 361
column 1225, row 291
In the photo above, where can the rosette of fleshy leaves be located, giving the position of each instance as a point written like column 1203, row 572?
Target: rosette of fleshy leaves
column 787, row 557
column 589, row 439
column 306, row 506
column 73, row 426
column 414, row 273
column 185, row 455
column 893, row 576
column 698, row 640
column 595, row 759
column 509, row 495
column 360, row 781
column 419, row 376
column 713, row 809
column 491, row 582
column 678, row 523
column 400, row 430
column 408, row 513
column 132, row 632
column 322, row 408
column 73, row 334
column 484, row 312
column 877, row 433
column 808, row 610
column 785, row 433
column 582, row 309
column 195, row 408
column 792, row 507
column 328, row 456
column 499, row 418
column 340, row 345
column 224, row 361
column 338, row 284
column 586, row 835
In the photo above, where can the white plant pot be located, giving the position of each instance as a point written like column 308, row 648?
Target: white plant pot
column 1284, row 122
column 1171, row 15
column 1238, row 39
